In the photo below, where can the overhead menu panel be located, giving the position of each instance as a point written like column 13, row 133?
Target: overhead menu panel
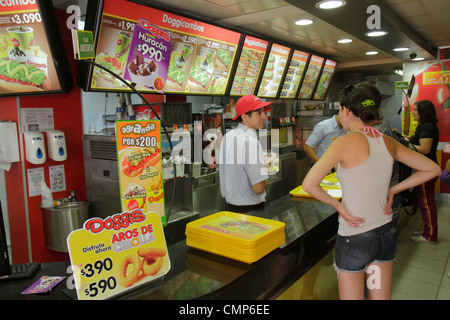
column 297, row 67
column 201, row 56
column 312, row 74
column 274, row 71
column 325, row 79
column 249, row 66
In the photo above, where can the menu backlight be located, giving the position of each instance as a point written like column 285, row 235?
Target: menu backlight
column 249, row 66
column 297, row 67
column 27, row 57
column 273, row 71
column 325, row 80
column 201, row 58
column 312, row 74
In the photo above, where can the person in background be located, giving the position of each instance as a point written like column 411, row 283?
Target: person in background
column 445, row 176
column 425, row 139
column 384, row 128
column 366, row 242
column 321, row 137
column 243, row 174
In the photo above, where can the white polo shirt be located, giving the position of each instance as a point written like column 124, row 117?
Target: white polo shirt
column 241, row 165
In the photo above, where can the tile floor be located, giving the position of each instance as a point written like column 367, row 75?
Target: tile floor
column 422, row 270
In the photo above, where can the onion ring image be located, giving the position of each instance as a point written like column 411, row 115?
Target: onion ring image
column 151, row 265
column 126, row 280
column 155, row 252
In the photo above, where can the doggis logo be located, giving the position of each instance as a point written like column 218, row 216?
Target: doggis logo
column 157, row 32
column 115, row 222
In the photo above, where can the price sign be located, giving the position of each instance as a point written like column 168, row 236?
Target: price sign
column 149, row 56
column 249, row 67
column 26, row 61
column 294, row 75
column 140, row 168
column 201, row 58
column 311, row 77
column 273, row 71
column 117, row 254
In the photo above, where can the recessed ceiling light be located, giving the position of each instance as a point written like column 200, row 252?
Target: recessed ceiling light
column 418, row 59
column 330, row 4
column 304, row 22
column 345, row 41
column 402, row 49
column 376, row 33
column 371, row 53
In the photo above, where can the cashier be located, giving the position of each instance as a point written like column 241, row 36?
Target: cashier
column 323, row 134
column 243, row 175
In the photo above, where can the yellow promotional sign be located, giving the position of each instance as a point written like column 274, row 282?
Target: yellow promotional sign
column 117, row 254
column 140, row 168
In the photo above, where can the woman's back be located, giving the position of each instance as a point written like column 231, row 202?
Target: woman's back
column 364, row 175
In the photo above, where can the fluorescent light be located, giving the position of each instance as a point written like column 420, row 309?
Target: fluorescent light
column 376, row 33
column 401, row 49
column 371, row 53
column 418, row 59
column 330, row 4
column 304, row 22
column 345, row 41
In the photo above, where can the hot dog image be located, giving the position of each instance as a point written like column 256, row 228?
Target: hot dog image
column 133, row 160
column 14, row 75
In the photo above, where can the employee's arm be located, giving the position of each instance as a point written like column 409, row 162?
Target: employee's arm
column 310, row 153
column 260, row 187
column 424, row 146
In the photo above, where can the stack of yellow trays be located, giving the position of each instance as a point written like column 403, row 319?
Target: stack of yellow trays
column 330, row 184
column 236, row 236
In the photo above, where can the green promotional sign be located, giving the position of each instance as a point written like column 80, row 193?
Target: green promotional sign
column 83, row 44
column 401, row 85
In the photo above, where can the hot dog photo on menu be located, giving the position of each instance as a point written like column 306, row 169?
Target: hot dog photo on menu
column 25, row 60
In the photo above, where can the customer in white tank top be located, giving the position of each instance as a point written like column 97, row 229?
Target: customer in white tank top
column 364, row 159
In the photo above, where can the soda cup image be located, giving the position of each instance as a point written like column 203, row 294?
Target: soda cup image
column 21, row 37
column 123, row 47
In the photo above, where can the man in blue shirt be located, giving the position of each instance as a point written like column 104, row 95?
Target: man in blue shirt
column 323, row 134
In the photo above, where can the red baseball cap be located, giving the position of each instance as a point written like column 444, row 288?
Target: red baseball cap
column 249, row 103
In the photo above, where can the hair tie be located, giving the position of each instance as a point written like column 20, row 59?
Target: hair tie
column 368, row 103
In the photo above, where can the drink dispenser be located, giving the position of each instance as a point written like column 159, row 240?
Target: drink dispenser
column 35, row 147
column 56, row 145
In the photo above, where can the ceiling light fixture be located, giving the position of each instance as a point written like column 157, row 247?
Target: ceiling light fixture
column 304, row 22
column 377, row 33
column 418, row 59
column 330, row 4
column 371, row 53
column 345, row 41
column 401, row 49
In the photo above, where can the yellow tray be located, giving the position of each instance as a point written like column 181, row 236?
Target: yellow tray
column 330, row 184
column 235, row 254
column 236, row 227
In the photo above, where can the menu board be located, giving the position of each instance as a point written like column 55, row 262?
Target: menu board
column 201, row 55
column 249, row 66
column 273, row 71
column 325, row 80
column 297, row 67
column 27, row 63
column 312, row 74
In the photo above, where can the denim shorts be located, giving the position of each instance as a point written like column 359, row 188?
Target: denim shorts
column 355, row 253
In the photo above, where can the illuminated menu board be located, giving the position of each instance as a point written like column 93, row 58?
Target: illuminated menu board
column 297, row 67
column 27, row 54
column 249, row 66
column 325, row 80
column 201, row 56
column 273, row 71
column 312, row 74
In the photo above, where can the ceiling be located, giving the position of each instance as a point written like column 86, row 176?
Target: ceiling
column 422, row 25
